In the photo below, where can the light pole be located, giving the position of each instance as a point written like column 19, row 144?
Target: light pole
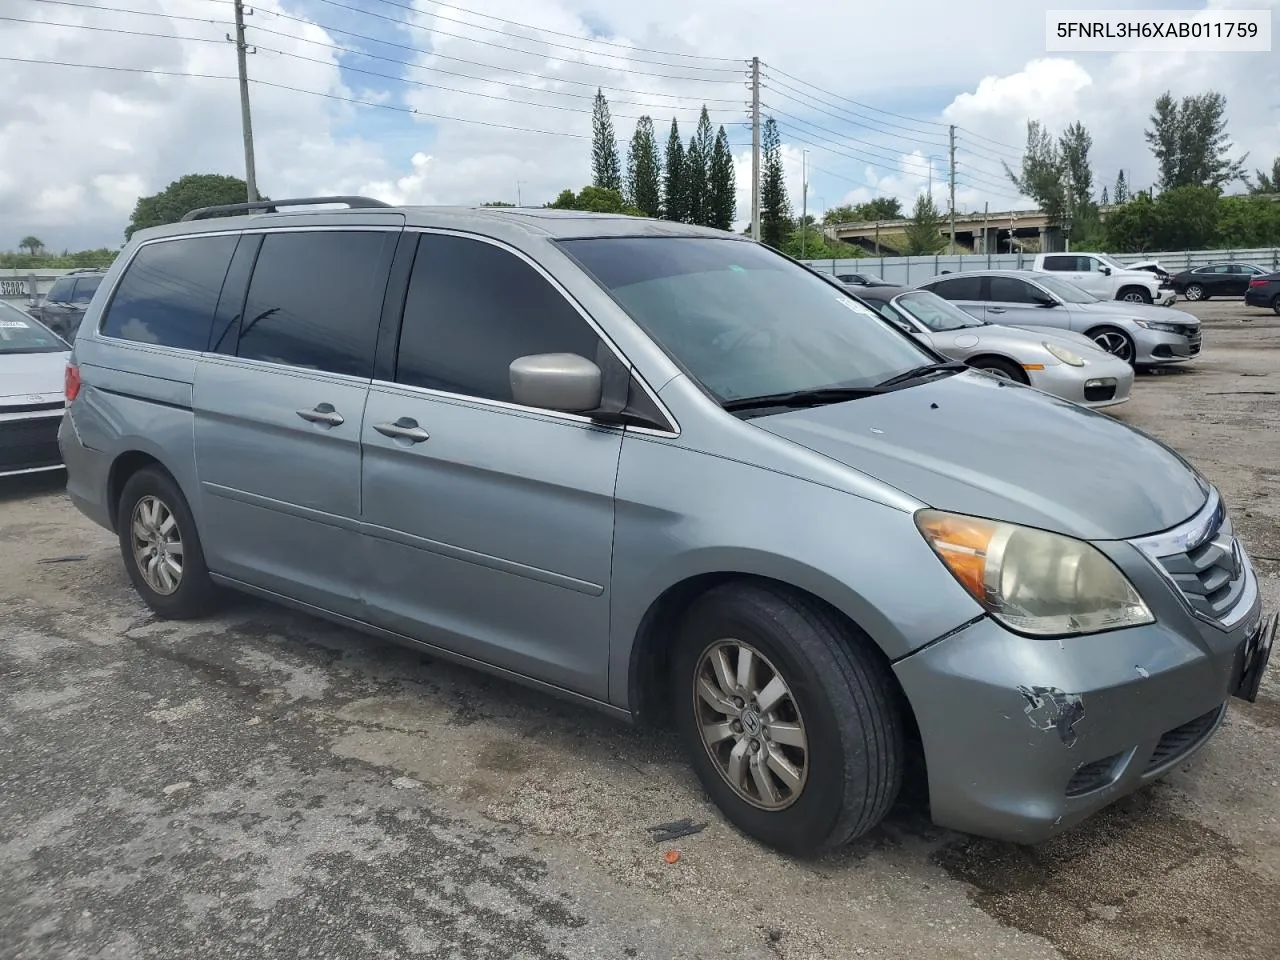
column 519, row 184
column 804, row 202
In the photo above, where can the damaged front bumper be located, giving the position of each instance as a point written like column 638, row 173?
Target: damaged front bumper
column 1024, row 738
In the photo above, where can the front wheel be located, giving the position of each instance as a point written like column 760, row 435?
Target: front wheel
column 1000, row 368
column 1135, row 295
column 790, row 718
column 161, row 547
column 1275, row 304
column 1116, row 342
column 1195, row 292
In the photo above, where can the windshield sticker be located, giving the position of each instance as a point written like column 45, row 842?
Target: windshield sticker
column 14, row 325
column 855, row 306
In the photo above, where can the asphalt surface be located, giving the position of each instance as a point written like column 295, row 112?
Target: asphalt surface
column 264, row 784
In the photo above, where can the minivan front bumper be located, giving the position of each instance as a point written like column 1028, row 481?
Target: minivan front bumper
column 1024, row 738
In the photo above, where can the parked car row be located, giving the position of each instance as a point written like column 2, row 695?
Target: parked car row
column 33, row 361
column 669, row 473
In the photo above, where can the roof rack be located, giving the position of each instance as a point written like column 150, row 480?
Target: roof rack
column 269, row 206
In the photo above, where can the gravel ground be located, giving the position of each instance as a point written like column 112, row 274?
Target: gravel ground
column 266, row 784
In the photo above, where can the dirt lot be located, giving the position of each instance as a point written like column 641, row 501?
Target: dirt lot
column 265, row 784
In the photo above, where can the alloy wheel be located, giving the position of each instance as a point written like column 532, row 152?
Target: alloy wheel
column 1134, row 297
column 1115, row 343
column 1194, row 292
column 750, row 724
column 157, row 545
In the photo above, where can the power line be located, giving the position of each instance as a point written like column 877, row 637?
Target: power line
column 400, row 46
column 847, row 115
column 856, row 103
column 298, row 56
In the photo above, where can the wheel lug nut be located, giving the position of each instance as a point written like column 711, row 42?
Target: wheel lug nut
column 737, row 702
column 755, row 746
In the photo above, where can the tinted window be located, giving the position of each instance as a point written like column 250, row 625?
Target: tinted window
column 86, row 287
column 169, row 292
column 958, row 288
column 742, row 320
column 471, row 309
column 1011, row 290
column 61, row 290
column 1067, row 264
column 315, row 299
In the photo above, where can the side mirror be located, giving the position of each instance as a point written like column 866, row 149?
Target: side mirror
column 1046, row 301
column 556, row 381
column 1106, row 271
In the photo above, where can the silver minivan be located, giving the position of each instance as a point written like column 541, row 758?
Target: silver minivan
column 670, row 473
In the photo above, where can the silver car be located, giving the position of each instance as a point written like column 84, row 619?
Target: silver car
column 33, row 362
column 1068, row 365
column 672, row 474
column 1143, row 335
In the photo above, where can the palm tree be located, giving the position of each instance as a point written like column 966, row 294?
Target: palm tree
column 33, row 244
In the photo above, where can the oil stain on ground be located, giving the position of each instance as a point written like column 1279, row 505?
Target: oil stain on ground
column 1133, row 883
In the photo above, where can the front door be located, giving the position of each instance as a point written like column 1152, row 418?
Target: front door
column 489, row 526
column 278, row 414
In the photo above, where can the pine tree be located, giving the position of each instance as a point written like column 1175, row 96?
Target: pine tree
column 1104, row 201
column 606, row 170
column 644, row 170
column 775, row 209
column 722, row 191
column 1122, row 189
column 697, row 172
column 922, row 233
column 674, row 206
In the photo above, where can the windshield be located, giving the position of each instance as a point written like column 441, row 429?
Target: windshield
column 1067, row 292
column 935, row 313
column 20, row 334
column 742, row 320
column 1113, row 264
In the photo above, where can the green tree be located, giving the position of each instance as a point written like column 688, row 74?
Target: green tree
column 497, row 203
column 1190, row 142
column 673, row 199
column 1188, row 218
column 1122, row 189
column 32, row 245
column 845, row 213
column 881, row 208
column 644, row 170
column 1248, row 222
column 1134, row 227
column 808, row 242
column 723, row 190
column 1041, row 176
column 697, row 172
column 184, row 195
column 1103, row 200
column 593, row 199
column 775, row 208
column 922, row 233
column 606, row 170
column 1268, row 182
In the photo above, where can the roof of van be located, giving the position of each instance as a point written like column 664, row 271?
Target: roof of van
column 495, row 221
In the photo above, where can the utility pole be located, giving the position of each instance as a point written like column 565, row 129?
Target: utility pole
column 804, row 199
column 518, row 184
column 250, row 174
column 986, row 246
column 952, row 131
column 755, row 149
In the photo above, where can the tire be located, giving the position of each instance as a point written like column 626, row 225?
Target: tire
column 1116, row 342
column 1135, row 295
column 1275, row 304
column 839, row 694
column 1195, row 292
column 193, row 593
column 999, row 367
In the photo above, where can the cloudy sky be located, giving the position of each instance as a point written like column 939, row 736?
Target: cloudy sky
column 418, row 101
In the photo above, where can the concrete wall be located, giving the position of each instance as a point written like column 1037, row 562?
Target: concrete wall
column 912, row 270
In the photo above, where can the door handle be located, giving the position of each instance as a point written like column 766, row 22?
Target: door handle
column 406, row 428
column 323, row 413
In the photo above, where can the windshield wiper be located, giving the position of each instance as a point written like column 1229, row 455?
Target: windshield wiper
column 801, row 398
column 920, row 373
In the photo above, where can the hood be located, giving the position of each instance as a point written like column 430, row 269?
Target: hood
column 973, row 444
column 1139, row 311
column 26, row 375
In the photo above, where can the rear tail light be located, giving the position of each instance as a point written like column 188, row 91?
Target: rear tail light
column 71, row 382
column 1259, row 282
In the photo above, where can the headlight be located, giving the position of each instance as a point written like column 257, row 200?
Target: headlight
column 1065, row 355
column 1032, row 581
column 1163, row 327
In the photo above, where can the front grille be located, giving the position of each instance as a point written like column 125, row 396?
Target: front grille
column 1107, row 391
column 1180, row 741
column 1193, row 342
column 28, row 444
column 1093, row 776
column 1211, row 575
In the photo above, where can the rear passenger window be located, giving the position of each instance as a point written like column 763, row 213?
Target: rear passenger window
column 471, row 309
column 169, row 292
column 958, row 288
column 1065, row 264
column 315, row 299
column 60, row 292
column 1011, row 290
column 85, row 289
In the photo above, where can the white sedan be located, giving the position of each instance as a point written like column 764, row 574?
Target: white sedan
column 33, row 363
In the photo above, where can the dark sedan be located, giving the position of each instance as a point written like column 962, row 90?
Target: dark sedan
column 1216, row 280
column 1264, row 291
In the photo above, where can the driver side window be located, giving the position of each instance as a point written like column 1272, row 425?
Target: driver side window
column 473, row 307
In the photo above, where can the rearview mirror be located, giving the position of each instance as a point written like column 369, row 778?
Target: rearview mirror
column 556, row 381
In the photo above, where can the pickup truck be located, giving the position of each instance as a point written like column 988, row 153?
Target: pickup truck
column 1106, row 279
